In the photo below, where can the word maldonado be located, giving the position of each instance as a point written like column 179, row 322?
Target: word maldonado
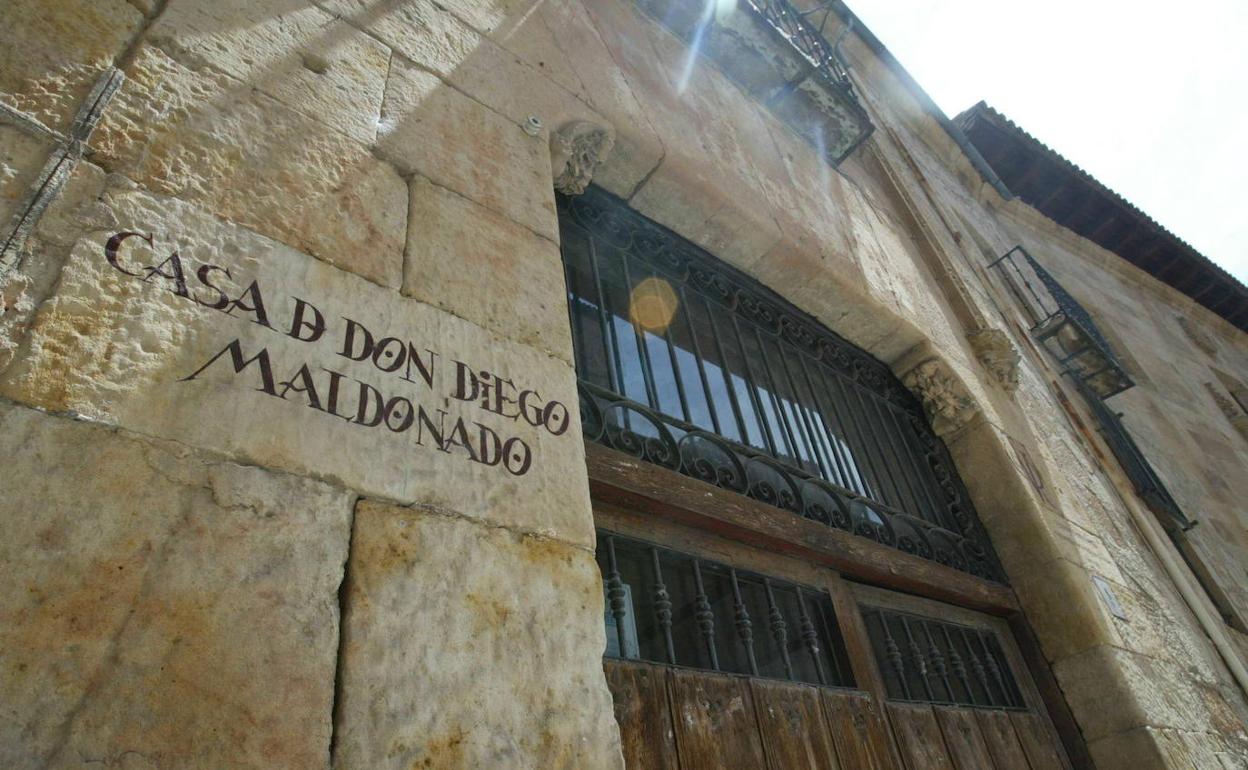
column 339, row 395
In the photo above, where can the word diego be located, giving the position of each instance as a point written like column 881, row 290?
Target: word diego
column 336, row 393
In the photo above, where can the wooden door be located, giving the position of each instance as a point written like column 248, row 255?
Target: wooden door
column 682, row 719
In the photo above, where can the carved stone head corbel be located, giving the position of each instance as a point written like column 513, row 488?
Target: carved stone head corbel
column 576, row 149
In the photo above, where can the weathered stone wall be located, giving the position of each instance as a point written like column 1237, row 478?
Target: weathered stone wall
column 1150, row 690
column 240, row 542
column 257, row 516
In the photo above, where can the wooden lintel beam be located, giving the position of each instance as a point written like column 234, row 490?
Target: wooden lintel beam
column 618, row 479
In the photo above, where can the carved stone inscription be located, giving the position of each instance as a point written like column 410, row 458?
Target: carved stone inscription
column 412, row 388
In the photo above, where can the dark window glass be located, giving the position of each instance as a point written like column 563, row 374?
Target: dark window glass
column 668, row 607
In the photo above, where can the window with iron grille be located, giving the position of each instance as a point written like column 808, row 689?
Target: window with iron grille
column 687, row 363
column 668, row 607
column 933, row 661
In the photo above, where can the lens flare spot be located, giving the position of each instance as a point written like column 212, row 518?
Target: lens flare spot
column 652, row 304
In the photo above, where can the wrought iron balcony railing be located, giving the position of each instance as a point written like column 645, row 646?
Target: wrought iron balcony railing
column 618, row 423
column 800, row 31
column 1148, row 484
column 779, row 55
column 1062, row 325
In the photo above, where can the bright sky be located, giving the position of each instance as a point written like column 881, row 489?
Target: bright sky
column 1149, row 97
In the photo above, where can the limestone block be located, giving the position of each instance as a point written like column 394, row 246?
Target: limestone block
column 29, row 276
column 50, row 60
column 1111, row 690
column 574, row 37
column 213, row 140
column 502, row 276
column 380, row 392
column 436, row 38
column 297, row 54
column 1161, row 747
column 163, row 609
column 470, row 647
column 420, row 30
column 683, row 198
column 458, row 143
column 721, row 177
column 22, row 157
column 1060, row 601
column 1142, row 747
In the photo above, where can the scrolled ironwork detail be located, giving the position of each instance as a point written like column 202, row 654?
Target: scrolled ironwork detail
column 709, row 458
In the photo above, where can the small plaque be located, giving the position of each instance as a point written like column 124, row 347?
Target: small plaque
column 1107, row 595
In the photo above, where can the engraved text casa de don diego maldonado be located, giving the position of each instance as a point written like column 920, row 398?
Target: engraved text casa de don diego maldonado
column 341, row 396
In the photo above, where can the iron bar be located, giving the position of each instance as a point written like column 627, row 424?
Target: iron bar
column 937, row 658
column 994, row 670
column 826, row 433
column 663, row 607
column 617, row 597
column 647, row 367
column 892, row 653
column 760, row 414
column 802, row 416
column 608, row 326
column 723, row 367
column 958, row 666
column 916, row 654
column 745, row 628
column 779, row 629
column 706, row 618
column 810, row 636
column 697, row 356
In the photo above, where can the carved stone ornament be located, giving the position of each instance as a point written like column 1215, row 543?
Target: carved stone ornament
column 997, row 353
column 575, row 151
column 944, row 399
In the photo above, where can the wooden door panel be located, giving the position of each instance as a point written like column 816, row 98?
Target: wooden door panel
column 963, row 738
column 716, row 725
column 794, row 731
column 1039, row 742
column 919, row 740
column 859, row 732
column 1003, row 745
column 644, row 715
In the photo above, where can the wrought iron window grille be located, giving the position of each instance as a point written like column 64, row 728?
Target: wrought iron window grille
column 1062, row 325
column 1147, row 483
column 933, row 661
column 667, row 607
column 738, row 389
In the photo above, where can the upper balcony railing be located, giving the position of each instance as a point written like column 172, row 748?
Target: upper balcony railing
column 781, row 57
column 800, row 31
column 1062, row 325
column 1147, row 483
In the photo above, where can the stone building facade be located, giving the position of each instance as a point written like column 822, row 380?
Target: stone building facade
column 293, row 468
